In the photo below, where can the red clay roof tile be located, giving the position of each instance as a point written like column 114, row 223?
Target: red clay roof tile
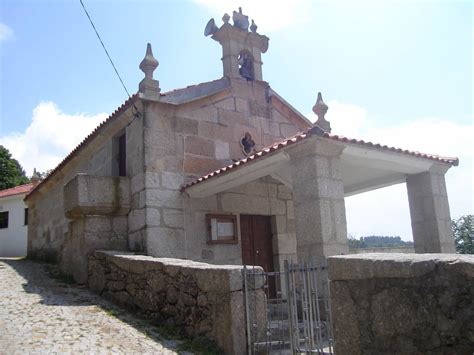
column 17, row 190
column 307, row 133
column 86, row 140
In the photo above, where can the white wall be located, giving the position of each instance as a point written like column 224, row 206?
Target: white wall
column 13, row 240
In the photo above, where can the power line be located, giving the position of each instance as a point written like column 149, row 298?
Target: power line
column 105, row 49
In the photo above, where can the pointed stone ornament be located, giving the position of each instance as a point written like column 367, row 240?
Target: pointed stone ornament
column 149, row 88
column 149, row 63
column 253, row 27
column 320, row 109
column 226, row 18
column 240, row 20
column 35, row 178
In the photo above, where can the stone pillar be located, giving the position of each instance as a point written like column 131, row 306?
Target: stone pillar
column 429, row 211
column 230, row 60
column 318, row 197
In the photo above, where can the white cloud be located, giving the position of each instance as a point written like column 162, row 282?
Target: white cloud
column 269, row 15
column 50, row 136
column 386, row 211
column 5, row 32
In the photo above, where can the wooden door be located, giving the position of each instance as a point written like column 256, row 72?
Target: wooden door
column 256, row 239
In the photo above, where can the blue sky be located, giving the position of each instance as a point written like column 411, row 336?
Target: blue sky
column 398, row 72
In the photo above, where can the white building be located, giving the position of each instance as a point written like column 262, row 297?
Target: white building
column 14, row 221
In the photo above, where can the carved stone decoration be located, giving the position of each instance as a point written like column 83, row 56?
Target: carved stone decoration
column 320, row 109
column 240, row 20
column 253, row 27
column 149, row 63
column 148, row 87
column 235, row 38
column 248, row 144
column 226, row 18
column 36, row 178
column 211, row 28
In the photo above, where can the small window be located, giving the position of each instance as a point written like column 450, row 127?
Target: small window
column 4, row 219
column 119, row 154
column 222, row 229
column 26, row 217
column 122, row 157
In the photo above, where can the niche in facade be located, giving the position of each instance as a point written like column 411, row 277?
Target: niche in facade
column 248, row 144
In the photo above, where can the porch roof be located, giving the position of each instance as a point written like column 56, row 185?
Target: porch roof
column 371, row 165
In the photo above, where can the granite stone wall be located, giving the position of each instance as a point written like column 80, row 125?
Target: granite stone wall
column 403, row 303
column 265, row 196
column 184, row 142
column 49, row 227
column 204, row 299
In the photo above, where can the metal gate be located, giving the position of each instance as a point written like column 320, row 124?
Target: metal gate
column 288, row 312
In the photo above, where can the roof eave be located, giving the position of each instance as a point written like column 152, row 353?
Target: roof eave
column 97, row 131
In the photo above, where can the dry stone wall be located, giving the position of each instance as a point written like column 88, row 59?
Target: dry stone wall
column 403, row 303
column 206, row 300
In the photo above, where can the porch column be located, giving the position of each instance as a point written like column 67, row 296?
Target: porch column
column 429, row 211
column 318, row 197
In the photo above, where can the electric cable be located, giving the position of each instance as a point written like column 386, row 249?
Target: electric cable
column 137, row 113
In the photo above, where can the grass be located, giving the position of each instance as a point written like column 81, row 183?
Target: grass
column 53, row 272
column 185, row 343
column 200, row 345
column 196, row 345
column 112, row 312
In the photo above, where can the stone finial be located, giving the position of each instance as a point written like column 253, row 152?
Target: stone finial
column 253, row 27
column 148, row 87
column 320, row 109
column 240, row 20
column 226, row 18
column 211, row 28
column 149, row 63
column 35, row 178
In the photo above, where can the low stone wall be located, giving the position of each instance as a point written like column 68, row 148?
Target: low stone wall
column 204, row 299
column 403, row 303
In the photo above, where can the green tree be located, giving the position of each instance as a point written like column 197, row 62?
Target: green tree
column 463, row 231
column 11, row 172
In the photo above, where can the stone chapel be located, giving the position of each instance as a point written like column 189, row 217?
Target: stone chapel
column 223, row 172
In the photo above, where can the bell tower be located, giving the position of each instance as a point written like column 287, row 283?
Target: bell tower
column 241, row 49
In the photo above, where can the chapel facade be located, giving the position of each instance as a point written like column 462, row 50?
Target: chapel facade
column 223, row 172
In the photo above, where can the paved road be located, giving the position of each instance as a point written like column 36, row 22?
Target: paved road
column 41, row 315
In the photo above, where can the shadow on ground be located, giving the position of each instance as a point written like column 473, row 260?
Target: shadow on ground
column 44, row 280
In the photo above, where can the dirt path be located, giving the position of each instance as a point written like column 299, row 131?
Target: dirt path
column 39, row 314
